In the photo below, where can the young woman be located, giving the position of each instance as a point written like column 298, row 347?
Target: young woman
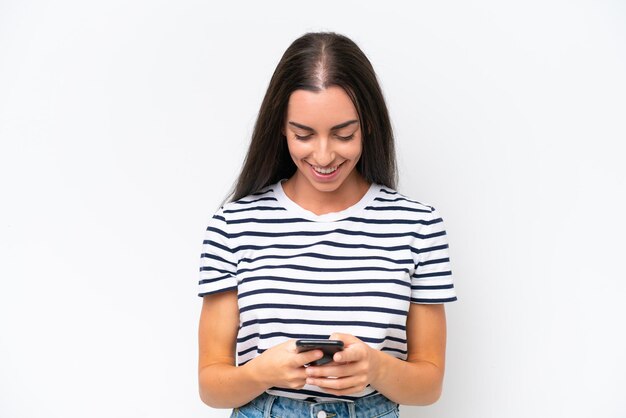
column 315, row 243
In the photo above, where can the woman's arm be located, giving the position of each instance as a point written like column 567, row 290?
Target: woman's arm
column 416, row 381
column 419, row 380
column 217, row 335
column 221, row 383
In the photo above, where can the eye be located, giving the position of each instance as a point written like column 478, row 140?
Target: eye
column 302, row 138
column 345, row 138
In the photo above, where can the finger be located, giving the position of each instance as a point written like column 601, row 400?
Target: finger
column 335, row 370
column 307, row 357
column 339, row 384
column 346, row 338
column 352, row 353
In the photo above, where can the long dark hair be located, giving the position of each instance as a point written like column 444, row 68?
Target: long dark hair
column 314, row 62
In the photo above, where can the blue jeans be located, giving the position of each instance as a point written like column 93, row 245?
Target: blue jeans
column 270, row 406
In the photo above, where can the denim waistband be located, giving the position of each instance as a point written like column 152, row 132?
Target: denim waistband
column 369, row 406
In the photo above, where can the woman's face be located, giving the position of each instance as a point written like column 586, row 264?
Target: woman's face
column 324, row 138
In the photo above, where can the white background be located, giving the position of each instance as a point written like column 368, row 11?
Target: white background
column 123, row 125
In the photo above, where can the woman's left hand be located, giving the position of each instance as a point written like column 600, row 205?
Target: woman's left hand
column 351, row 371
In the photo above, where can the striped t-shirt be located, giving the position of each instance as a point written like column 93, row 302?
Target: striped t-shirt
column 302, row 275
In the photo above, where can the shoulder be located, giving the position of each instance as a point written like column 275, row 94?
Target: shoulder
column 253, row 204
column 387, row 199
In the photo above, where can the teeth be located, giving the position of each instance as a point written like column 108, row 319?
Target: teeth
column 325, row 170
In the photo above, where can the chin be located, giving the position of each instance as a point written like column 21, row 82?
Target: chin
column 329, row 186
column 325, row 187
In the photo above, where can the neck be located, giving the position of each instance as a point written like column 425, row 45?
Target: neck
column 303, row 193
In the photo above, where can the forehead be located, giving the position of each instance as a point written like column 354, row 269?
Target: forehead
column 327, row 107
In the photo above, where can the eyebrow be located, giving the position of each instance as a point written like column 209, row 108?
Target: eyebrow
column 308, row 128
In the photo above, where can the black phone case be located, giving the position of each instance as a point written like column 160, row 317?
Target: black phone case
column 328, row 347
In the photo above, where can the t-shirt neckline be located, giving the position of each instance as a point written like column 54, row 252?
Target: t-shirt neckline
column 292, row 206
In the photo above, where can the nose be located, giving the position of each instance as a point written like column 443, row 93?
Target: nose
column 324, row 153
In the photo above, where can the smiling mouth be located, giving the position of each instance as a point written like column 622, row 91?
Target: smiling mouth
column 325, row 171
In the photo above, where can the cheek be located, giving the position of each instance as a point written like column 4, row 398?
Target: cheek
column 355, row 150
column 296, row 150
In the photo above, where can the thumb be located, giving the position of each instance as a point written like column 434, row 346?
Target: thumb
column 346, row 338
column 352, row 348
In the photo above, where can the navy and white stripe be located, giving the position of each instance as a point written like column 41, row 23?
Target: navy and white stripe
column 301, row 275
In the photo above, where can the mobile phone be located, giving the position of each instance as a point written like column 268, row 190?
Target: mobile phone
column 328, row 347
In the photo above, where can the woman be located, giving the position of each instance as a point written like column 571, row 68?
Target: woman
column 315, row 243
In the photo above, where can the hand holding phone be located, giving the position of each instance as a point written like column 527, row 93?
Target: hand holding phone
column 328, row 347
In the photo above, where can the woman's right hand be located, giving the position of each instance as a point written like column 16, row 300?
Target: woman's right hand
column 282, row 366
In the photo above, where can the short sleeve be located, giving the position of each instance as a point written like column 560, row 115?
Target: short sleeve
column 432, row 281
column 218, row 266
